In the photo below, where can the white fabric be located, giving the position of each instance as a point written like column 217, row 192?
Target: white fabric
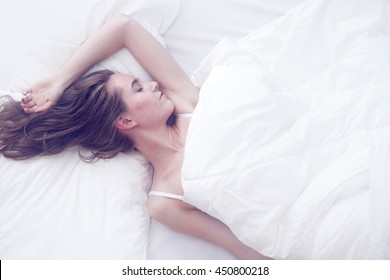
column 189, row 115
column 289, row 142
column 60, row 207
column 165, row 194
column 201, row 24
column 64, row 25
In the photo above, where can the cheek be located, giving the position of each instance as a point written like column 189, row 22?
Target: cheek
column 143, row 105
column 144, row 110
column 138, row 106
column 137, row 103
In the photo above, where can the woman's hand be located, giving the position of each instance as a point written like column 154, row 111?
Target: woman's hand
column 42, row 95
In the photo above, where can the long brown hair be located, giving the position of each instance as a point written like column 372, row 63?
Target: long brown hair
column 83, row 116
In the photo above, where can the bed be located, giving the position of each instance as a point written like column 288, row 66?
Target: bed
column 310, row 172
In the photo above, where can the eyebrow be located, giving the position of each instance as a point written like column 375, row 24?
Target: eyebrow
column 134, row 82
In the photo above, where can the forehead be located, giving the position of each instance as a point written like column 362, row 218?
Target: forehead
column 120, row 80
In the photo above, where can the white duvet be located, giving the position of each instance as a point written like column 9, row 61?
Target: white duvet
column 290, row 142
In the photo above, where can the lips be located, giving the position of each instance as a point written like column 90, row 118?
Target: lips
column 161, row 95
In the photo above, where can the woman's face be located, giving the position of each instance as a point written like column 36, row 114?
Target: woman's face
column 146, row 104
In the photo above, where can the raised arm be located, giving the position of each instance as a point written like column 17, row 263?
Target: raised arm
column 119, row 32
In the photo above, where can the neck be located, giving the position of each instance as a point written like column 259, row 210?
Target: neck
column 159, row 145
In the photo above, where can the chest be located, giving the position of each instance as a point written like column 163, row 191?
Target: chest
column 169, row 178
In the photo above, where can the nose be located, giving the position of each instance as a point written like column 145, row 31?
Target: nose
column 154, row 86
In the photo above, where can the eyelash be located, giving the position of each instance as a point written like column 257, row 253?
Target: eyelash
column 138, row 87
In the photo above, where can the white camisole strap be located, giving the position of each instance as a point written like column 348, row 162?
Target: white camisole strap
column 189, row 115
column 165, row 194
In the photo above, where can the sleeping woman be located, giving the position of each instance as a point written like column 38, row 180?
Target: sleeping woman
column 109, row 113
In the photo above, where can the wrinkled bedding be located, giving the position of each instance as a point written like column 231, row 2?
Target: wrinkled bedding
column 289, row 144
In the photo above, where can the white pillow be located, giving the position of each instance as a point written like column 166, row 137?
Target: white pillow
column 64, row 25
column 59, row 207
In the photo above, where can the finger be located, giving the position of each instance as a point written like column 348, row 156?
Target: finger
column 39, row 109
column 29, row 104
column 43, row 107
column 27, row 98
column 30, row 110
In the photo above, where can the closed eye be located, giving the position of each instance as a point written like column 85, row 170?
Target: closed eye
column 136, row 86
